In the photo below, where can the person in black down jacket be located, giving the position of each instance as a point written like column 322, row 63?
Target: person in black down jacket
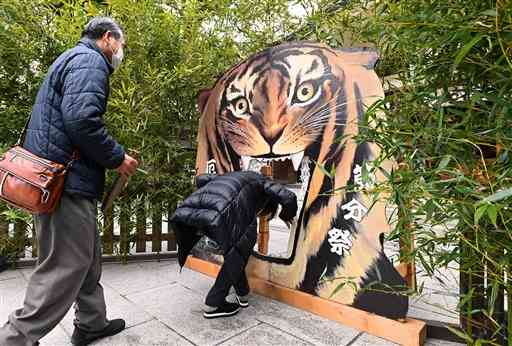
column 67, row 116
column 225, row 208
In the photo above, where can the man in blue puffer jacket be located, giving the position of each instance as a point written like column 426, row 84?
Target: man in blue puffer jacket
column 67, row 117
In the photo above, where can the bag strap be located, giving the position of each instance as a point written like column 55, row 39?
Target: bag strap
column 23, row 134
column 74, row 157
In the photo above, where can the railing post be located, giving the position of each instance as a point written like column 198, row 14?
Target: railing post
column 141, row 225
column 108, row 231
column 156, row 227
column 4, row 228
column 20, row 236
column 34, row 241
column 171, row 240
column 125, row 227
column 264, row 224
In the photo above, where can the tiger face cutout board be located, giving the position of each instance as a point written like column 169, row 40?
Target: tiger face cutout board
column 305, row 102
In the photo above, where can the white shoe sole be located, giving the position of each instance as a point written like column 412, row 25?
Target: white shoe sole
column 210, row 315
column 242, row 304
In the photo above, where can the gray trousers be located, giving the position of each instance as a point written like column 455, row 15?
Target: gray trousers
column 68, row 270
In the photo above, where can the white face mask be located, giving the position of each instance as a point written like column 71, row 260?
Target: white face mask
column 117, row 58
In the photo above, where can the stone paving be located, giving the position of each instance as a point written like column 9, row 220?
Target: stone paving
column 163, row 307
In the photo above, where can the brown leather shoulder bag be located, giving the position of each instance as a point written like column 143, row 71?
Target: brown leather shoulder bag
column 30, row 182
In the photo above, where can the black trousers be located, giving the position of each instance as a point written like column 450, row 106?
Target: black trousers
column 232, row 272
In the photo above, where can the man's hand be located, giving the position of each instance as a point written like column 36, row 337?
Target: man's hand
column 128, row 167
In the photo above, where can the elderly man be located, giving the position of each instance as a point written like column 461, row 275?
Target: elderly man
column 66, row 119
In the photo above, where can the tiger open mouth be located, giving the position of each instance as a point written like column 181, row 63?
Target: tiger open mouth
column 248, row 162
column 300, row 164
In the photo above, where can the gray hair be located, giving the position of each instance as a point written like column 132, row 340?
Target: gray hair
column 98, row 26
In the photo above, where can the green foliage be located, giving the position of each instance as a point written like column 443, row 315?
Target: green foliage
column 449, row 128
column 12, row 247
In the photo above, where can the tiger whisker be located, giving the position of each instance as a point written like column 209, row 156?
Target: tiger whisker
column 232, row 127
column 325, row 105
column 313, row 122
column 325, row 111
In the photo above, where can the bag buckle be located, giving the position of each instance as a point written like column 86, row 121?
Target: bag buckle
column 2, row 184
column 45, row 197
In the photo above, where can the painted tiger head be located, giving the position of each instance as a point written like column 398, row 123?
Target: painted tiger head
column 293, row 101
column 305, row 102
column 282, row 102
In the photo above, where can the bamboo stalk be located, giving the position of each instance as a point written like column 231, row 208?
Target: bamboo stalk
column 471, row 282
column 509, row 298
column 406, row 244
column 496, row 273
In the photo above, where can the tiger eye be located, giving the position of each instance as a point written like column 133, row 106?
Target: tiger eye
column 241, row 106
column 305, row 92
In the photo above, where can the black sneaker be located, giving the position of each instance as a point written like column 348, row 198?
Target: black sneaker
column 242, row 301
column 82, row 338
column 228, row 309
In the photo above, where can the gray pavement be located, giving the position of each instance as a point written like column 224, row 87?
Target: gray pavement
column 163, row 307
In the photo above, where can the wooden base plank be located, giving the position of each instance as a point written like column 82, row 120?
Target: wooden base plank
column 409, row 332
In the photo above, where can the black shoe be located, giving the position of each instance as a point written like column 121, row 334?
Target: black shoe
column 243, row 302
column 228, row 309
column 82, row 338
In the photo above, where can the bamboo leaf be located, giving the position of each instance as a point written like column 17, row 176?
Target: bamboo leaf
column 494, row 295
column 480, row 212
column 323, row 169
column 460, row 334
column 498, row 196
column 336, row 290
column 465, row 50
column 444, row 162
column 492, row 213
column 490, row 13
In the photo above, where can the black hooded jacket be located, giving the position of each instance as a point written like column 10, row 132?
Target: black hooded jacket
column 223, row 208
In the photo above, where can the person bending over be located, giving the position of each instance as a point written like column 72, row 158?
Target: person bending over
column 225, row 208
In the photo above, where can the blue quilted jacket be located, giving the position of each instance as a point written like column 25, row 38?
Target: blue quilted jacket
column 68, row 115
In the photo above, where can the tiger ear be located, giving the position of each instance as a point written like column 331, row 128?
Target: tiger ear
column 364, row 56
column 202, row 99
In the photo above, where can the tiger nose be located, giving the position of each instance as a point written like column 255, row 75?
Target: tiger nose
column 272, row 136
